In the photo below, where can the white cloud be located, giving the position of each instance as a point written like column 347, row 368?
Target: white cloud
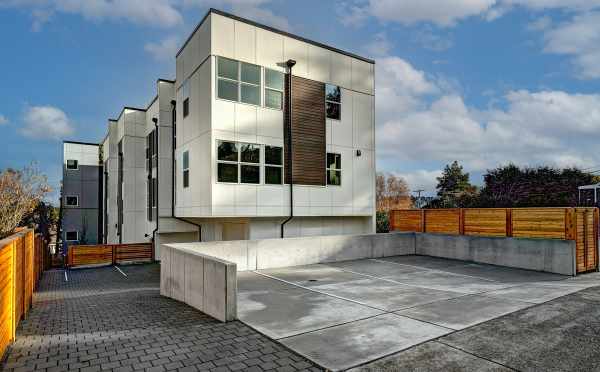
column 164, row 50
column 420, row 121
column 160, row 13
column 579, row 38
column 3, row 120
column 421, row 179
column 431, row 40
column 46, row 122
column 540, row 24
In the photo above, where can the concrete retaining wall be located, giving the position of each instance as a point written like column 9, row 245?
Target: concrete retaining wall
column 206, row 283
column 274, row 253
column 550, row 255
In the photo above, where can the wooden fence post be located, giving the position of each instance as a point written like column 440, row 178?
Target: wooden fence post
column 509, row 222
column 461, row 221
column 423, row 220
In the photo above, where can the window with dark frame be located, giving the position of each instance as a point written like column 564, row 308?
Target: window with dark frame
column 238, row 81
column 238, row 162
column 274, row 82
column 186, row 98
column 186, row 169
column 72, row 201
column 72, row 164
column 333, row 102
column 72, row 236
column 334, row 169
column 273, row 165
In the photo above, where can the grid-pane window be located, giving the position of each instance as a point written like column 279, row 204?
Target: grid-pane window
column 274, row 81
column 238, row 162
column 72, row 236
column 72, row 164
column 273, row 165
column 186, row 169
column 238, row 81
column 72, row 201
column 333, row 101
column 334, row 169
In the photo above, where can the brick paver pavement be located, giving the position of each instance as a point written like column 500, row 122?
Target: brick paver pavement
column 102, row 320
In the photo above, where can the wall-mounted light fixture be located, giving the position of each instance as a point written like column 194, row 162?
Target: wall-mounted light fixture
column 358, row 153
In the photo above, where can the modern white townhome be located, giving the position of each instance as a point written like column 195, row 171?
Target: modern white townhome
column 263, row 134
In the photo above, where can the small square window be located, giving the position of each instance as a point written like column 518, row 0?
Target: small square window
column 72, row 236
column 273, row 155
column 228, row 90
column 250, row 94
column 274, row 79
column 250, row 153
column 332, row 93
column 186, row 178
column 72, row 164
column 273, row 99
column 72, row 201
column 334, row 177
column 228, row 68
column 227, row 172
column 250, row 173
column 333, row 110
column 250, row 73
column 227, row 151
column 334, row 169
column 273, row 175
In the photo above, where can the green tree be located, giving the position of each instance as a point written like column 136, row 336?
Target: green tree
column 454, row 188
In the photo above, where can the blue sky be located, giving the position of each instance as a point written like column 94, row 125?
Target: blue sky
column 484, row 82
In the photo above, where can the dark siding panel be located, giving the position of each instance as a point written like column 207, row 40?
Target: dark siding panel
column 308, row 132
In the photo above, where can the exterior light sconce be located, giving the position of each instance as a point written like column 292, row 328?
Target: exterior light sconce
column 358, row 153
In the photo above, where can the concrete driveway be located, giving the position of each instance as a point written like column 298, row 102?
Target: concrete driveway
column 347, row 314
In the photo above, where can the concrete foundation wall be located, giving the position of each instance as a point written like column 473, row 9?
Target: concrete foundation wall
column 550, row 255
column 273, row 253
column 203, row 282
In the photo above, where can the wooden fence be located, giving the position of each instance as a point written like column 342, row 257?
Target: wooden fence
column 22, row 261
column 578, row 224
column 108, row 254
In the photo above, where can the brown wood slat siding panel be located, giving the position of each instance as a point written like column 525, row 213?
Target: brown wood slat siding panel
column 586, row 239
column 485, row 222
column 548, row 223
column 308, row 132
column 91, row 255
column 442, row 221
column 136, row 252
column 407, row 220
column 6, row 310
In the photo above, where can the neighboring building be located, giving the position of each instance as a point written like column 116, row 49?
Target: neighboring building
column 228, row 115
column 81, row 194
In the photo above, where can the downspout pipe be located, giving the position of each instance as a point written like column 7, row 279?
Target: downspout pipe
column 155, row 192
column 290, row 64
column 173, row 144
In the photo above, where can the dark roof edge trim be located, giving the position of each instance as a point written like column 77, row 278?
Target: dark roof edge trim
column 166, row 81
column 129, row 108
column 81, row 143
column 269, row 28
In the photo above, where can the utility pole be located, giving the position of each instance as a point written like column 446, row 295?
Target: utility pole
column 418, row 191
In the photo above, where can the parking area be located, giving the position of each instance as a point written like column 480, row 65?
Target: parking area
column 348, row 314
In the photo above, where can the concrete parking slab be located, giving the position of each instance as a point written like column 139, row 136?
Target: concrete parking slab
column 432, row 357
column 345, row 314
column 463, row 312
column 444, row 281
column 344, row 346
column 294, row 310
column 385, row 295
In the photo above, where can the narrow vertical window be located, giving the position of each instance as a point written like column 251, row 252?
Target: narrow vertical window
column 186, row 169
column 334, row 169
column 333, row 102
column 274, row 81
column 249, row 163
column 186, row 98
column 227, row 162
column 273, row 165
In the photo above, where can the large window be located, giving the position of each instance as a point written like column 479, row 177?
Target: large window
column 72, row 164
column 238, row 162
column 72, row 201
column 273, row 165
column 186, row 98
column 238, row 81
column 72, row 236
column 333, row 102
column 186, row 169
column 274, row 82
column 334, row 169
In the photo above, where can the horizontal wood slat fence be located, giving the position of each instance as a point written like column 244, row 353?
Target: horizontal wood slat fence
column 23, row 258
column 578, row 224
column 108, row 254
